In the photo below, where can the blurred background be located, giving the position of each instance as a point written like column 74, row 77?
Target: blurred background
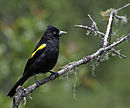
column 22, row 23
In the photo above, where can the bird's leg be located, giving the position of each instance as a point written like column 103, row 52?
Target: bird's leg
column 54, row 73
column 36, row 81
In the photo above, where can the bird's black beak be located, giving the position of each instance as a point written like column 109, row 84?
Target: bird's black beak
column 62, row 32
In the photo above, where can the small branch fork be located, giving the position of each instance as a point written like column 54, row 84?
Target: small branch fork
column 106, row 46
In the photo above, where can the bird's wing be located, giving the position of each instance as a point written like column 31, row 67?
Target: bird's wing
column 36, row 53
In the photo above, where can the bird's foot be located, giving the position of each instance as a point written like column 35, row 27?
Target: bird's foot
column 54, row 73
column 37, row 83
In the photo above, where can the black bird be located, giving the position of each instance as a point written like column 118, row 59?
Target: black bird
column 43, row 58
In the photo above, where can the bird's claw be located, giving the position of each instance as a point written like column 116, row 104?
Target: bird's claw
column 37, row 83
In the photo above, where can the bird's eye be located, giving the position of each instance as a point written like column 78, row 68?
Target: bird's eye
column 54, row 32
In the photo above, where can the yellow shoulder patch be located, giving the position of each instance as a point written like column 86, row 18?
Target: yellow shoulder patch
column 39, row 48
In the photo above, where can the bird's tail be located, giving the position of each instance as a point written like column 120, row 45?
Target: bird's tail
column 18, row 83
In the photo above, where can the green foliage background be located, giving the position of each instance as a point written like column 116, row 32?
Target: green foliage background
column 22, row 23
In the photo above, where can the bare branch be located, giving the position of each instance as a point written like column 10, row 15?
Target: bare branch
column 90, row 29
column 118, row 53
column 123, row 7
column 102, row 35
column 18, row 96
column 108, row 31
column 94, row 25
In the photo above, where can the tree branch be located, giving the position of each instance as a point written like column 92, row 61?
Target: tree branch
column 108, row 31
column 90, row 29
column 100, row 34
column 123, row 7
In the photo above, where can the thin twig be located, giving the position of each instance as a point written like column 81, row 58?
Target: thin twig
column 118, row 53
column 123, row 7
column 90, row 29
column 108, row 31
column 94, row 25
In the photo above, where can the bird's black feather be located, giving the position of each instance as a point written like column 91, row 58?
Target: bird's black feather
column 43, row 59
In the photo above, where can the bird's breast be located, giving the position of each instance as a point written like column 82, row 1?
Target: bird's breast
column 49, row 57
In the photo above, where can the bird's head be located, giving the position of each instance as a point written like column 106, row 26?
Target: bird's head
column 53, row 32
